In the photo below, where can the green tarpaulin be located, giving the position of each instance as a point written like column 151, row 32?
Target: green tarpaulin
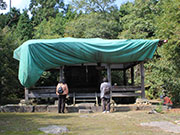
column 36, row 56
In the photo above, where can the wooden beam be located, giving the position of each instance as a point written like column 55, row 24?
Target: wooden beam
column 142, row 80
column 131, row 64
column 124, row 77
column 109, row 73
column 126, row 88
column 26, row 92
column 109, row 78
column 126, row 94
column 61, row 73
column 132, row 75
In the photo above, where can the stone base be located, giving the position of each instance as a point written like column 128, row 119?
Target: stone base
column 40, row 108
column 78, row 108
column 52, row 108
column 16, row 108
column 71, row 109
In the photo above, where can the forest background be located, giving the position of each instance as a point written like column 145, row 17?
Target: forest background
column 140, row 19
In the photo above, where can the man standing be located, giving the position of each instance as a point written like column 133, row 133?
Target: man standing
column 105, row 95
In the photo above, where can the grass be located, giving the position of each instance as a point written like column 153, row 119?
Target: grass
column 119, row 123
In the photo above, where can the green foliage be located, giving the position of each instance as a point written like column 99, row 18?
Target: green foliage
column 69, row 13
column 117, row 77
column 13, row 18
column 164, row 69
column 9, row 85
column 44, row 9
column 48, row 78
column 159, row 108
column 24, row 28
column 93, row 25
column 88, row 6
column 54, row 28
column 3, row 20
column 138, row 19
column 10, row 19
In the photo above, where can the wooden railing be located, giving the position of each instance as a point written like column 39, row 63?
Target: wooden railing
column 126, row 91
column 117, row 91
column 42, row 92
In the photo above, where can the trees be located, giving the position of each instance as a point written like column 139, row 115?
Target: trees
column 168, row 64
column 156, row 19
column 10, row 87
column 10, row 19
column 91, row 26
column 54, row 28
column 3, row 20
column 24, row 28
column 44, row 9
column 99, row 20
column 138, row 19
column 88, row 6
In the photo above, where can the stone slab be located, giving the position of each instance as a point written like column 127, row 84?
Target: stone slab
column 164, row 125
column 85, row 111
column 54, row 129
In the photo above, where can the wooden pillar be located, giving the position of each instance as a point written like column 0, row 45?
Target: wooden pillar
column 87, row 74
column 26, row 92
column 142, row 80
column 124, row 77
column 74, row 98
column 96, row 95
column 61, row 73
column 132, row 75
column 109, row 78
column 109, row 73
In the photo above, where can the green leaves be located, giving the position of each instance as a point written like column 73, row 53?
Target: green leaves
column 44, row 9
column 138, row 19
column 93, row 25
column 24, row 28
column 89, row 6
column 54, row 28
column 9, row 84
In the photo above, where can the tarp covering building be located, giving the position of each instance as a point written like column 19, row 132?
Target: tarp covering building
column 36, row 56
